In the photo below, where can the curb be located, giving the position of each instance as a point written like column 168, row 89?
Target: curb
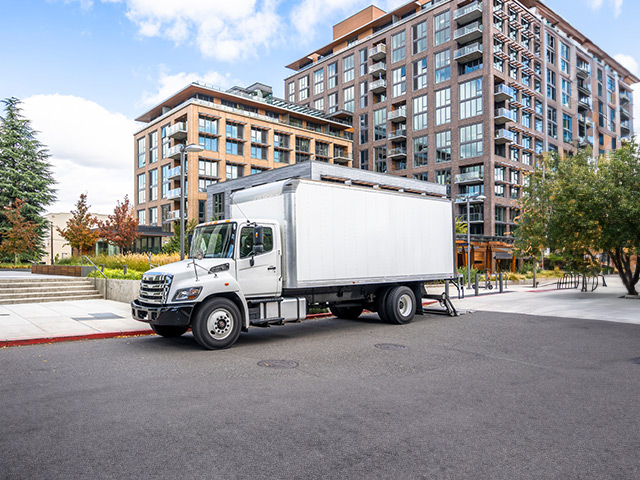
column 71, row 338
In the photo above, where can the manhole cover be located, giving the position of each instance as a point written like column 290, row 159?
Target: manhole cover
column 636, row 360
column 390, row 346
column 278, row 363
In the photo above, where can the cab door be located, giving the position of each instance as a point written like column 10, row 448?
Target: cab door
column 263, row 278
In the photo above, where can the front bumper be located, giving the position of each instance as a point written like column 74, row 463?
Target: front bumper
column 179, row 315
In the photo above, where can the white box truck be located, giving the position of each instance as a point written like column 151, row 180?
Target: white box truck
column 296, row 243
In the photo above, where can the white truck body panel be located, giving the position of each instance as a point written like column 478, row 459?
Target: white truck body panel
column 337, row 234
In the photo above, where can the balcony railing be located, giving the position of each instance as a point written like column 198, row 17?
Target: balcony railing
column 175, row 193
column 625, row 97
column 342, row 157
column 473, row 217
column 503, row 92
column 505, row 136
column 469, row 177
column 172, row 173
column 379, row 67
column 378, row 86
column 468, row 53
column 584, row 103
column 503, row 116
column 468, row 12
column 397, row 152
column 177, row 130
column 398, row 114
column 174, row 152
column 583, row 70
column 468, row 32
column 398, row 133
column 378, row 52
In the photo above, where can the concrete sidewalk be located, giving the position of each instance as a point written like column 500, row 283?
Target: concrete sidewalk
column 84, row 319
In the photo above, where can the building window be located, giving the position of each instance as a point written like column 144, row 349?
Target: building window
column 153, row 185
column 322, row 149
column 443, row 66
column 349, row 103
column 420, row 112
column 233, row 171
column 565, row 58
column 443, row 106
column 333, row 102
column 498, row 190
column 208, row 143
column 471, row 98
column 364, row 160
column 419, row 31
column 380, row 124
column 348, row 68
column 280, row 140
column 399, row 76
column 303, row 144
column 259, row 152
column 612, row 119
column 208, row 125
column 442, row 28
column 364, row 97
column 420, row 74
column 471, row 141
column 141, row 153
column 551, row 49
column 443, row 146
column 566, row 93
column 235, row 131
column 380, row 158
column 141, row 187
column 551, row 84
column 552, row 122
column 165, row 141
column 207, row 168
column 318, row 104
column 424, row 176
column 153, row 147
column 318, row 81
column 332, row 75
column 142, row 217
column 292, row 91
column 164, row 218
column 234, row 148
column 364, row 128
column 153, row 216
column 420, row 151
column 363, row 62
column 398, row 46
column 443, row 177
column 165, row 180
column 281, row 156
column 498, row 174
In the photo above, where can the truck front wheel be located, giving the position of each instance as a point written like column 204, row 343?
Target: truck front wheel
column 169, row 331
column 349, row 313
column 217, row 324
column 400, row 305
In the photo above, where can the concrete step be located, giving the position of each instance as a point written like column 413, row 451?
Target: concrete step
column 23, row 284
column 48, row 293
column 14, row 301
column 34, row 289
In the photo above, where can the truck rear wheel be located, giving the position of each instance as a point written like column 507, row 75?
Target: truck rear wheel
column 217, row 324
column 400, row 305
column 169, row 331
column 349, row 313
column 381, row 304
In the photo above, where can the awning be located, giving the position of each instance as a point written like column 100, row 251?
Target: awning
column 502, row 256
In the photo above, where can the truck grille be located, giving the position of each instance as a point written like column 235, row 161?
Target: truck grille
column 154, row 287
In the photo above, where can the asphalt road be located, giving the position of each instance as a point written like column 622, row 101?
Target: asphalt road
column 482, row 396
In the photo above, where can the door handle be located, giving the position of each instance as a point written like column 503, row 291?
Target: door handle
column 271, row 268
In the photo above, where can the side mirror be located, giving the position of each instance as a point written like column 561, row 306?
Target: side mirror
column 258, row 239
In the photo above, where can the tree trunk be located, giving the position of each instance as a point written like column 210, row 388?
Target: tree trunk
column 622, row 262
column 15, row 259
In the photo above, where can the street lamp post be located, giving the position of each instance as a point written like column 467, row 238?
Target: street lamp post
column 184, row 149
column 469, row 198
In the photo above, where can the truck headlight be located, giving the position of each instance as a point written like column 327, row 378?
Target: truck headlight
column 187, row 294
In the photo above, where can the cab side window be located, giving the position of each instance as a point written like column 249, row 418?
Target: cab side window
column 246, row 241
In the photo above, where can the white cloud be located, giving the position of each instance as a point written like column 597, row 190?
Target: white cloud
column 170, row 84
column 91, row 149
column 616, row 5
column 595, row 4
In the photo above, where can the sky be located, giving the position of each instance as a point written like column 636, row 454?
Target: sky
column 84, row 69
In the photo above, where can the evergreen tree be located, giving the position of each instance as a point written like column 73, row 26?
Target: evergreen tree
column 25, row 170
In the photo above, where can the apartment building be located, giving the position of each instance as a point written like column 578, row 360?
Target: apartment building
column 242, row 131
column 467, row 94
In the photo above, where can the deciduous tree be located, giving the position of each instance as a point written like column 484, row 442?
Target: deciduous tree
column 121, row 228
column 22, row 235
column 80, row 231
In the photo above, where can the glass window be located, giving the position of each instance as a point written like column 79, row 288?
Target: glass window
column 552, row 122
column 364, row 160
column 333, row 102
column 233, row 171
column 443, row 106
column 419, row 31
column 153, row 185
column 442, row 28
column 551, row 84
column 380, row 158
column 364, row 97
column 443, row 66
column 565, row 58
column 281, row 156
column 443, row 146
column 141, row 187
column 420, row 74
column 471, row 98
column 420, row 112
column 349, row 103
column 332, row 74
column 318, row 81
column 141, row 153
column 471, row 141
column 303, row 88
column 246, row 241
column 348, row 68
column 318, row 104
column 380, row 124
column 566, row 93
column 399, row 76
column 363, row 62
column 153, row 147
column 420, row 151
column 364, row 128
column 234, row 148
column 292, row 91
column 398, row 46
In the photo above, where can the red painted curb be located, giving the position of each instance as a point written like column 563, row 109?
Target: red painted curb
column 71, row 338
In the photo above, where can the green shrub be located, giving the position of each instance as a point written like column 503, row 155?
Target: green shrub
column 118, row 274
column 133, row 261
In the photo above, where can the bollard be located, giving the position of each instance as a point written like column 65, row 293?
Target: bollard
column 476, row 286
column 125, row 269
column 501, row 286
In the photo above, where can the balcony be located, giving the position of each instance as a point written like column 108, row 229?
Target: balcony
column 177, row 131
column 468, row 33
column 625, row 127
column 378, row 52
column 584, row 88
column 473, row 217
column 469, row 177
column 175, row 193
column 398, row 134
column 505, row 136
column 503, row 116
column 503, row 93
column 342, row 157
column 584, row 103
column 174, row 152
column 468, row 13
column 586, row 120
column 378, row 68
column 585, row 141
column 468, row 53
column 396, row 153
column 398, row 115
column 583, row 70
column 624, row 112
column 625, row 97
column 378, row 86
column 172, row 173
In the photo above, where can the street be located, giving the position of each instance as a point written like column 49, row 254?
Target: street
column 481, row 396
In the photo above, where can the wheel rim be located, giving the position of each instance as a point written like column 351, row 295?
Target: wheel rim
column 220, row 323
column 405, row 305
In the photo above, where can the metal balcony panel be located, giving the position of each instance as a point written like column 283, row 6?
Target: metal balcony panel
column 378, row 52
column 503, row 92
column 503, row 115
column 399, row 134
column 468, row 13
column 378, row 68
column 468, row 33
column 468, row 53
column 469, row 177
column 504, row 136
column 378, row 86
column 177, row 131
column 398, row 115
column 397, row 152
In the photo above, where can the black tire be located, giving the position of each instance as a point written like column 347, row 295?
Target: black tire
column 400, row 305
column 347, row 313
column 217, row 324
column 169, row 331
column 381, row 304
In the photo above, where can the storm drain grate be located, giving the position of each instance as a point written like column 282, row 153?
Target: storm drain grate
column 278, row 363
column 390, row 346
column 636, row 360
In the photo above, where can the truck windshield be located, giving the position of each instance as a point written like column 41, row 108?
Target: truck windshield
column 216, row 241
